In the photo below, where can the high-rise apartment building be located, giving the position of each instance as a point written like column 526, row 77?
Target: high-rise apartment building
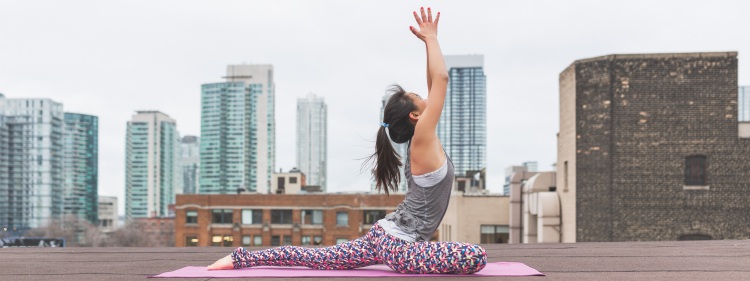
column 190, row 162
column 238, row 136
column 31, row 160
column 152, row 170
column 744, row 104
column 81, row 166
column 312, row 146
column 463, row 125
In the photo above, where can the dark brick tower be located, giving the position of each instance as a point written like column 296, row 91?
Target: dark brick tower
column 649, row 149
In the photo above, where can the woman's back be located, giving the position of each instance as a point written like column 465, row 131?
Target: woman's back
column 424, row 205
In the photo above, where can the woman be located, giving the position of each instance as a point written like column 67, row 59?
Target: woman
column 401, row 239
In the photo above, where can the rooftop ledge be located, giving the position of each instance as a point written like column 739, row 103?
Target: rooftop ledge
column 664, row 260
column 660, row 56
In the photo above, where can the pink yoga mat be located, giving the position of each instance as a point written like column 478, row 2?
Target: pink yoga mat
column 492, row 269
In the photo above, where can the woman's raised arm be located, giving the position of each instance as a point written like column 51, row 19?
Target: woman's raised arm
column 425, row 144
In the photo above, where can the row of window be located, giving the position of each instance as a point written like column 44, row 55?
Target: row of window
column 255, row 216
column 489, row 234
column 257, row 240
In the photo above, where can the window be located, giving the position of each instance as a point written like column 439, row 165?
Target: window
column 280, row 185
column 292, row 179
column 281, row 216
column 221, row 216
column 342, row 219
column 318, row 240
column 695, row 170
column 312, row 216
column 219, row 240
column 493, row 234
column 258, row 240
column 191, row 241
column 191, row 217
column 275, row 240
column 246, row 240
column 341, row 240
column 287, row 240
column 252, row 216
column 305, row 240
column 373, row 216
column 565, row 177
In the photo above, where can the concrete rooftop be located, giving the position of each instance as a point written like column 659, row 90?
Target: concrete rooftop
column 674, row 260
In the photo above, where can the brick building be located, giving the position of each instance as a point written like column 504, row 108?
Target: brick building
column 159, row 230
column 277, row 219
column 649, row 149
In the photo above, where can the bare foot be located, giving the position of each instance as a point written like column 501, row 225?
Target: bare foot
column 223, row 263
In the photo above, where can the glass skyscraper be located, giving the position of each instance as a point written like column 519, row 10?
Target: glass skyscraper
column 463, row 125
column 80, row 166
column 238, row 137
column 190, row 160
column 312, row 131
column 744, row 104
column 31, row 158
column 152, row 170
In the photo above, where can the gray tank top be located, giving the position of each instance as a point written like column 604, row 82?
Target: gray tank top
column 424, row 206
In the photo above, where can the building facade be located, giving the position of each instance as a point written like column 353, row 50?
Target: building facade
column 277, row 219
column 463, row 125
column 312, row 139
column 291, row 182
column 475, row 218
column 648, row 149
column 238, row 136
column 81, row 166
column 31, row 163
column 108, row 221
column 152, row 170
column 190, row 162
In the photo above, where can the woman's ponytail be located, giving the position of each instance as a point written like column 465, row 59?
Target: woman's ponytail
column 398, row 128
column 387, row 163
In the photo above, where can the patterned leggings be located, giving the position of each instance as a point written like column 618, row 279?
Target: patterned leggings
column 375, row 247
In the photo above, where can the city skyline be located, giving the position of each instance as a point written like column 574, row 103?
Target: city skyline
column 87, row 51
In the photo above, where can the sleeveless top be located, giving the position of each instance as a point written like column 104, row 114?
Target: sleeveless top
column 424, row 206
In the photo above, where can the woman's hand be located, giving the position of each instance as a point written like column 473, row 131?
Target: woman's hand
column 427, row 26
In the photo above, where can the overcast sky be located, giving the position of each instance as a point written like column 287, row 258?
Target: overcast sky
column 111, row 58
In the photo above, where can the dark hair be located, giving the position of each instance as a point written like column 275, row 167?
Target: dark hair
column 400, row 129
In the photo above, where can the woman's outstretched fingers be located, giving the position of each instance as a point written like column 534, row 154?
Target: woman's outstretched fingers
column 437, row 18
column 416, row 17
column 429, row 14
column 424, row 16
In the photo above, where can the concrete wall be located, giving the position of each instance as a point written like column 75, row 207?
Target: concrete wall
column 566, row 154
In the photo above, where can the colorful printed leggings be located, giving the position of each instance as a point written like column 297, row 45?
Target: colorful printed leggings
column 375, row 247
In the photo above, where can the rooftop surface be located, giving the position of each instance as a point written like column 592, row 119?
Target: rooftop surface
column 673, row 260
